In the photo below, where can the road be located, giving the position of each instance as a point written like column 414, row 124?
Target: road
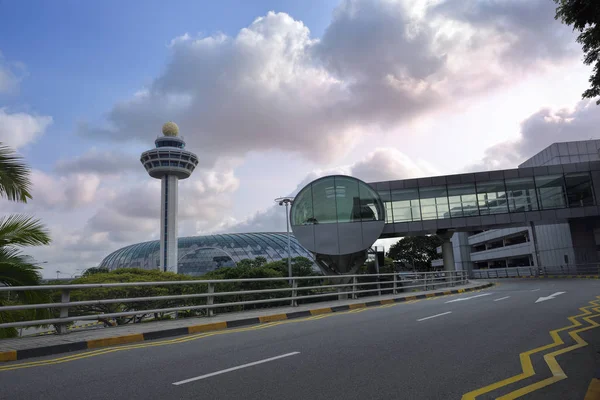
column 438, row 348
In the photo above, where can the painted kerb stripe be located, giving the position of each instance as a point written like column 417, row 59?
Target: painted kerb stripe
column 320, row 311
column 207, row 327
column 272, row 318
column 113, row 341
column 8, row 355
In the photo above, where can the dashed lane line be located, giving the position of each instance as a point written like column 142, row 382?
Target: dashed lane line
column 434, row 316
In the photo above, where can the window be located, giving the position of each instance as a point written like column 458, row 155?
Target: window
column 551, row 191
column 462, row 200
column 521, row 195
column 371, row 208
column 336, row 199
column 491, row 198
column 405, row 205
column 434, row 203
column 347, row 199
column 386, row 197
column 303, row 210
column 579, row 189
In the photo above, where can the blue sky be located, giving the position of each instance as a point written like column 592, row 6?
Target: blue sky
column 379, row 89
column 83, row 56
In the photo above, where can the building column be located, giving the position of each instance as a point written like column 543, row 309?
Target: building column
column 447, row 250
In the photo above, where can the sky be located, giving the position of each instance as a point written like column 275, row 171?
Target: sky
column 270, row 95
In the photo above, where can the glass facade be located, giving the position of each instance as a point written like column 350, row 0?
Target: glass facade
column 488, row 198
column 200, row 254
column 337, row 199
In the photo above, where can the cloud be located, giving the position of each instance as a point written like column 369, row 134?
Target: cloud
column 100, row 162
column 540, row 130
column 20, row 129
column 527, row 28
column 379, row 165
column 10, row 75
column 133, row 212
column 380, row 63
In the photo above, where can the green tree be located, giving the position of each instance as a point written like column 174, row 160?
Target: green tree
column 95, row 270
column 16, row 232
column 127, row 275
column 584, row 16
column 415, row 251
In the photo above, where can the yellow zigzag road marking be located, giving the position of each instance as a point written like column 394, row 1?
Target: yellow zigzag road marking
column 557, row 372
column 526, row 364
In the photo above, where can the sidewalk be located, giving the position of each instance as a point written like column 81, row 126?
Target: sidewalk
column 38, row 346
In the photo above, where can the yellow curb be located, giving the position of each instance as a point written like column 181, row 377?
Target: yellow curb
column 320, row 311
column 271, row 318
column 215, row 326
column 390, row 301
column 355, row 306
column 96, row 343
column 8, row 356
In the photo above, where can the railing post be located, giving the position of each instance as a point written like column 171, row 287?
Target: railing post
column 294, row 292
column 424, row 281
column 518, row 273
column 354, row 282
column 65, row 297
column 395, row 288
column 210, row 300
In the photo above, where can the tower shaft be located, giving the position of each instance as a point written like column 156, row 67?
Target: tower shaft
column 168, row 223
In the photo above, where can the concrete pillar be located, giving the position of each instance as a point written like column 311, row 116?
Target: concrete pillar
column 447, row 250
column 168, row 223
column 448, row 256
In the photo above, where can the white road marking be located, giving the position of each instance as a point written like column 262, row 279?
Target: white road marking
column 434, row 316
column 502, row 298
column 235, row 368
column 469, row 298
column 552, row 296
column 535, row 290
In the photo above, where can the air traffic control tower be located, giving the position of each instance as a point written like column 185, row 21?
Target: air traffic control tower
column 169, row 162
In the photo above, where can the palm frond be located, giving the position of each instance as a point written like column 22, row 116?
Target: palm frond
column 22, row 230
column 15, row 184
column 16, row 269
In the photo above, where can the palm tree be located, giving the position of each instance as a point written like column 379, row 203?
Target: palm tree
column 17, row 231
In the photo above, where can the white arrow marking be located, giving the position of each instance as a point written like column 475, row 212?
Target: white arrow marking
column 549, row 297
column 469, row 298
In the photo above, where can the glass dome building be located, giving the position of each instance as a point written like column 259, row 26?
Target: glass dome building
column 198, row 255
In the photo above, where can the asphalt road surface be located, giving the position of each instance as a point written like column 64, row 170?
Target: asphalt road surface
column 439, row 348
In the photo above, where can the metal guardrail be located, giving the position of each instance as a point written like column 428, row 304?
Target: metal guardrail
column 517, row 272
column 339, row 285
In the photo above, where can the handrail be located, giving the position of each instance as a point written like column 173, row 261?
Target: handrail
column 352, row 287
column 558, row 270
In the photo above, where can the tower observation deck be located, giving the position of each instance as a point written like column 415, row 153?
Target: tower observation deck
column 169, row 162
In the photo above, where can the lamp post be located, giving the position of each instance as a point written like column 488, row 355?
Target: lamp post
column 287, row 201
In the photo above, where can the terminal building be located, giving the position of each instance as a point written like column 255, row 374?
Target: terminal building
column 555, row 245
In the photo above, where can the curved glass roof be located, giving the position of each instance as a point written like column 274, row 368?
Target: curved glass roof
column 200, row 254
